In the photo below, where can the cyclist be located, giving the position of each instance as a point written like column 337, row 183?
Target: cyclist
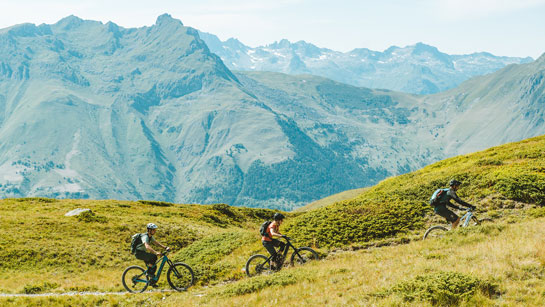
column 444, row 201
column 269, row 243
column 145, row 252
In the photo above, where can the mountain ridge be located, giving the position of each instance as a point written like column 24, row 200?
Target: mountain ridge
column 100, row 111
column 417, row 69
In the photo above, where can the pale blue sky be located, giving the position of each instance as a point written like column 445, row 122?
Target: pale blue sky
column 502, row 27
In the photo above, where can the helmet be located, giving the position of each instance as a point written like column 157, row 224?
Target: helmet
column 152, row 226
column 278, row 216
column 454, row 182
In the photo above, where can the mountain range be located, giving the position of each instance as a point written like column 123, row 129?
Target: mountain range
column 93, row 110
column 417, row 69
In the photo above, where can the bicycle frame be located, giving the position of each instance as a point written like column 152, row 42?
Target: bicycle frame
column 466, row 218
column 285, row 252
column 163, row 260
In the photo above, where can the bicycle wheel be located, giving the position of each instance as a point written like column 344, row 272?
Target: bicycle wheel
column 257, row 264
column 180, row 276
column 435, row 232
column 134, row 279
column 306, row 254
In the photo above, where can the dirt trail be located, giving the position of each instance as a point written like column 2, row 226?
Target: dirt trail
column 76, row 293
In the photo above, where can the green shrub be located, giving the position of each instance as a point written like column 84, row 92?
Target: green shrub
column 537, row 212
column 257, row 283
column 90, row 216
column 442, row 288
column 156, row 203
column 40, row 288
column 207, row 256
column 36, row 199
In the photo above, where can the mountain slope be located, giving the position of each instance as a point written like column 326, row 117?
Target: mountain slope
column 92, row 110
column 418, row 69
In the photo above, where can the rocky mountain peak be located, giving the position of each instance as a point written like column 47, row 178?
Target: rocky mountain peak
column 166, row 19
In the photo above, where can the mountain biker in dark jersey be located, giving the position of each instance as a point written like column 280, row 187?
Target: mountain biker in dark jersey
column 269, row 243
column 444, row 201
column 145, row 252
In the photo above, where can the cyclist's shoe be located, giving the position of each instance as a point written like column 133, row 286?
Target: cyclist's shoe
column 153, row 283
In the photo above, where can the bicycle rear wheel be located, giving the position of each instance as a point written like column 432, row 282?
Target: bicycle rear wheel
column 435, row 232
column 134, row 279
column 180, row 276
column 306, row 254
column 257, row 264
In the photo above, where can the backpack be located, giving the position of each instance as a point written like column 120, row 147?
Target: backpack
column 437, row 196
column 136, row 240
column 263, row 229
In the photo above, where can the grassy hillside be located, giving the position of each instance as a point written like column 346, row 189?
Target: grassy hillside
column 45, row 251
column 498, row 179
column 499, row 264
column 326, row 201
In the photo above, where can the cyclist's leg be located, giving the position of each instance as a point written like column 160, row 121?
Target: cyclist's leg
column 149, row 259
column 269, row 246
column 450, row 216
column 278, row 243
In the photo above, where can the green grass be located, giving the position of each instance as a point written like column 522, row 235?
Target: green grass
column 500, row 178
column 41, row 247
column 502, row 263
column 331, row 199
column 499, row 264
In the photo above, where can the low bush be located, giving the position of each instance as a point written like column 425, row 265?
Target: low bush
column 39, row 288
column 90, row 216
column 442, row 288
column 257, row 283
column 156, row 203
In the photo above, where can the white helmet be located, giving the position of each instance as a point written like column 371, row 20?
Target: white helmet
column 152, row 226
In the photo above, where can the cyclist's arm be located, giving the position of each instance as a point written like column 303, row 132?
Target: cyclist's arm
column 275, row 233
column 149, row 249
column 457, row 199
column 159, row 244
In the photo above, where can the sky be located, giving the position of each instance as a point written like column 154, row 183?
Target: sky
column 501, row 27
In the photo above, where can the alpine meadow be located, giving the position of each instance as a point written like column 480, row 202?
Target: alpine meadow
column 206, row 140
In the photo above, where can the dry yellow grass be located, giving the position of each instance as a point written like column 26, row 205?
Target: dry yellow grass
column 507, row 254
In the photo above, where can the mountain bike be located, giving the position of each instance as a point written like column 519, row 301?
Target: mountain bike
column 468, row 219
column 179, row 275
column 258, row 264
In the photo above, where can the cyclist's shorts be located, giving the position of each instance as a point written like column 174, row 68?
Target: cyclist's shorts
column 443, row 211
column 147, row 257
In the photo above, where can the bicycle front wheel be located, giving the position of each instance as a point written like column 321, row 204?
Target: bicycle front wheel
column 257, row 264
column 474, row 221
column 180, row 276
column 303, row 255
column 134, row 279
column 435, row 232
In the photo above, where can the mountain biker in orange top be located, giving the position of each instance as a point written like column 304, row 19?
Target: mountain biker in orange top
column 444, row 201
column 269, row 243
column 145, row 252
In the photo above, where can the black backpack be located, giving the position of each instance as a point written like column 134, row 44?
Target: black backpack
column 136, row 240
column 437, row 196
column 263, row 229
